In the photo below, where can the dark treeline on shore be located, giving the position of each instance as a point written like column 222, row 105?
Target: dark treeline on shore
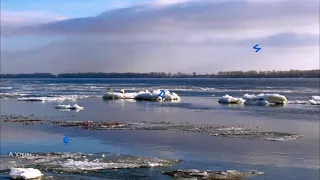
column 33, row 75
column 224, row 74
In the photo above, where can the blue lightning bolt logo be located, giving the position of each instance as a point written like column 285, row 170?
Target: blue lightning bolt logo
column 257, row 48
column 161, row 94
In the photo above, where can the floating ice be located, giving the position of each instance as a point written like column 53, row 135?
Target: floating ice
column 24, row 173
column 74, row 107
column 80, row 163
column 202, row 175
column 231, row 100
column 142, row 95
column 58, row 98
column 5, row 88
column 117, row 95
column 12, row 95
column 315, row 100
column 265, row 99
column 257, row 100
column 297, row 102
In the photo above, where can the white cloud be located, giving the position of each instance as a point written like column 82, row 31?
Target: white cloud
column 203, row 36
column 28, row 17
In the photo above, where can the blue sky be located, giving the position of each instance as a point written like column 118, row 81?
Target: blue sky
column 202, row 36
column 68, row 8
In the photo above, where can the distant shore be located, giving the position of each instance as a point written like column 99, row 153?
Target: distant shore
column 225, row 74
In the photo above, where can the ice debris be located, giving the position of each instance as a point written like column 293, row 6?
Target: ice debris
column 142, row 95
column 78, row 163
column 57, row 98
column 231, row 100
column 74, row 107
column 261, row 99
column 297, row 102
column 315, row 100
column 214, row 175
column 24, row 173
column 265, row 99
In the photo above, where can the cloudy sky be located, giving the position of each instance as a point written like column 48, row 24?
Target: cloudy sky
column 204, row 36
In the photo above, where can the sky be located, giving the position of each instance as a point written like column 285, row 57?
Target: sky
column 204, row 36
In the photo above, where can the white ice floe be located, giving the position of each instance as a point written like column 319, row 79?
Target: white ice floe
column 78, row 162
column 12, row 95
column 264, row 99
column 257, row 100
column 58, row 98
column 5, row 88
column 231, row 100
column 74, row 107
column 142, row 95
column 96, row 165
column 117, row 95
column 315, row 100
column 297, row 102
column 24, row 173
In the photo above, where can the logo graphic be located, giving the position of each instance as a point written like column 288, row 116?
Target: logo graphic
column 257, row 48
column 161, row 94
column 65, row 139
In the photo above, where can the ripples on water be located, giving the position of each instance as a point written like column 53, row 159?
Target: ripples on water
column 294, row 89
column 289, row 160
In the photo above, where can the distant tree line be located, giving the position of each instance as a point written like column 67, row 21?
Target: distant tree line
column 223, row 74
column 33, row 75
column 271, row 74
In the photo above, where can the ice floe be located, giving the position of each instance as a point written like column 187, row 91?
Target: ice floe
column 297, row 102
column 142, row 95
column 261, row 99
column 79, row 163
column 264, row 99
column 315, row 100
column 58, row 98
column 12, row 95
column 73, row 107
column 24, row 173
column 214, row 175
column 5, row 88
column 231, row 100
